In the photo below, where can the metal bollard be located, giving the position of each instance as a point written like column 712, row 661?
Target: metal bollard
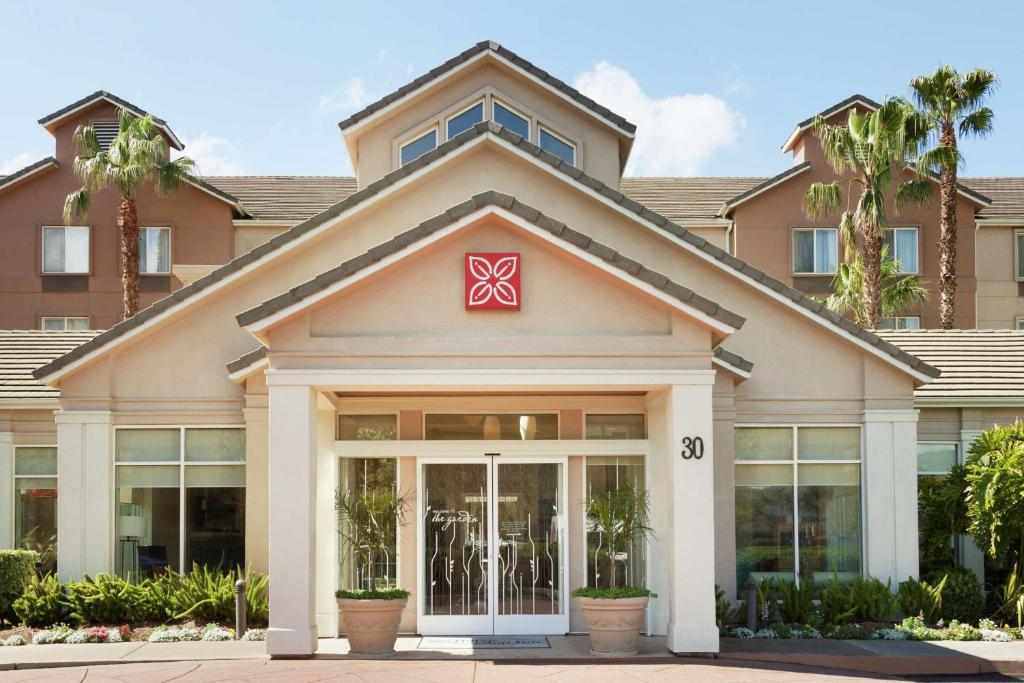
column 240, row 615
column 751, row 603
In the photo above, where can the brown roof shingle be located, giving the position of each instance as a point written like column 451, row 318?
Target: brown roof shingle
column 975, row 364
column 1006, row 193
column 289, row 199
column 686, row 200
column 22, row 351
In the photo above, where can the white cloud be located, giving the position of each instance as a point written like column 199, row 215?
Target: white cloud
column 351, row 95
column 17, row 162
column 675, row 135
column 211, row 154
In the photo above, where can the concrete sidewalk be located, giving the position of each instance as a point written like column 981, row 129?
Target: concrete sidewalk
column 892, row 657
column 47, row 656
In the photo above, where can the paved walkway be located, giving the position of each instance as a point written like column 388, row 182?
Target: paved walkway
column 362, row 671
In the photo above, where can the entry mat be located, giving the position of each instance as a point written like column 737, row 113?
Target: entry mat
column 482, row 642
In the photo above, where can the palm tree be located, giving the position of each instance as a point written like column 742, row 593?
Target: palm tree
column 136, row 155
column 953, row 103
column 847, row 298
column 868, row 154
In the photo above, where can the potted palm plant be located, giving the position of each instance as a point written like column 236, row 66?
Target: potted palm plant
column 368, row 521
column 614, row 609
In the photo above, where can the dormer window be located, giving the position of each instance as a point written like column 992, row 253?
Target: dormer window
column 411, row 151
column 465, row 119
column 509, row 119
column 557, row 145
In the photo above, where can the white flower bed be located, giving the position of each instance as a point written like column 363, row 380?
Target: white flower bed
column 888, row 634
column 766, row 634
column 995, row 635
column 256, row 634
column 12, row 641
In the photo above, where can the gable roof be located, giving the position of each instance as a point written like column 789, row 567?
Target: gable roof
column 763, row 186
column 979, row 367
column 733, row 362
column 1007, row 195
column 490, row 47
column 850, row 101
column 686, row 201
column 611, row 197
column 691, row 303
column 22, row 351
column 289, row 199
column 50, row 121
column 31, row 170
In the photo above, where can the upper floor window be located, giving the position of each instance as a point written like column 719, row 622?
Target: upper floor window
column 902, row 322
column 155, row 251
column 491, row 427
column 815, row 251
column 557, row 145
column 411, row 151
column 1020, row 252
column 902, row 244
column 368, row 427
column 466, row 119
column 61, row 323
column 622, row 426
column 65, row 249
column 510, row 119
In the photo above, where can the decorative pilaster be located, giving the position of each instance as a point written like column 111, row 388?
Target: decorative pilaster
column 7, row 488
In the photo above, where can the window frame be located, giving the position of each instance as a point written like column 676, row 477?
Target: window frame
column 182, row 487
column 65, row 318
column 416, row 134
column 518, row 111
column 897, row 318
column 1017, row 255
column 525, row 411
column 398, row 487
column 170, row 251
column 1019, row 322
column 481, row 100
column 814, row 255
column 917, row 246
column 42, row 250
column 587, row 413
column 794, row 462
column 373, row 413
column 958, row 460
column 12, row 529
column 544, row 126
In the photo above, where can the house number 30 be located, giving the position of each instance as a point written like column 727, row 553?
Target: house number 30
column 693, row 448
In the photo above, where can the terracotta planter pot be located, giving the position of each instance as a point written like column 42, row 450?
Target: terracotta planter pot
column 371, row 626
column 614, row 624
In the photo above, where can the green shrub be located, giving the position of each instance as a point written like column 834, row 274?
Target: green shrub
column 959, row 631
column 401, row 593
column 150, row 601
column 916, row 629
column 872, row 599
column 795, row 601
column 103, row 599
column 837, row 601
column 962, row 597
column 17, row 567
column 209, row 594
column 722, row 608
column 920, row 598
column 596, row 592
column 42, row 603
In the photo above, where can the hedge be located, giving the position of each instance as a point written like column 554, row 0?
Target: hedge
column 17, row 567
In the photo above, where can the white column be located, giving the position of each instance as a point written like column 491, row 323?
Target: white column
column 692, row 545
column 292, row 511
column 890, row 494
column 7, row 489
column 85, row 493
column 659, row 486
column 326, row 523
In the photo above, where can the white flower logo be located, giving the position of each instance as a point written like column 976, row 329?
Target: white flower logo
column 492, row 281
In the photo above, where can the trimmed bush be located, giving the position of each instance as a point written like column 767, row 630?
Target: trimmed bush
column 102, row 599
column 17, row 567
column 962, row 597
column 42, row 603
column 920, row 598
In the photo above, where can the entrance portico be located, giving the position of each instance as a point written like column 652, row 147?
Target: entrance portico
column 303, row 467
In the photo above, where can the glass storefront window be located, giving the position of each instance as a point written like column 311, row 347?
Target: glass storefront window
column 604, row 475
column 798, row 508
column 629, row 426
column 180, row 499
column 506, row 427
column 367, row 427
column 936, row 459
column 365, row 476
column 35, row 505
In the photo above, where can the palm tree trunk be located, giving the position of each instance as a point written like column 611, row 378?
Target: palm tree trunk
column 128, row 225
column 872, row 285
column 947, row 236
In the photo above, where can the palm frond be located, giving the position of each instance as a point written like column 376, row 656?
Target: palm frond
column 171, row 174
column 86, row 142
column 848, row 234
column 822, row 199
column 915, row 192
column 977, row 124
column 76, row 205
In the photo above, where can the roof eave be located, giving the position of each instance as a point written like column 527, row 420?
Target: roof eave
column 52, row 121
column 842, row 105
column 30, row 171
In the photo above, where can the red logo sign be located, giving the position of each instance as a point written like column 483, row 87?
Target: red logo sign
column 492, row 282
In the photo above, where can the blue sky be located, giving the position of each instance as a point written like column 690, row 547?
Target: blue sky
column 258, row 87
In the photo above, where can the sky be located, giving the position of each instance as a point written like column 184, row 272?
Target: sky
column 715, row 88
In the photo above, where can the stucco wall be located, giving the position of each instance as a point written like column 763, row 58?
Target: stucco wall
column 999, row 300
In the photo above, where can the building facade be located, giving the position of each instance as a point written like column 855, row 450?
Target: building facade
column 490, row 318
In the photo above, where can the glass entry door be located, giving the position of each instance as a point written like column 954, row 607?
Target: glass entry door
column 491, row 546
